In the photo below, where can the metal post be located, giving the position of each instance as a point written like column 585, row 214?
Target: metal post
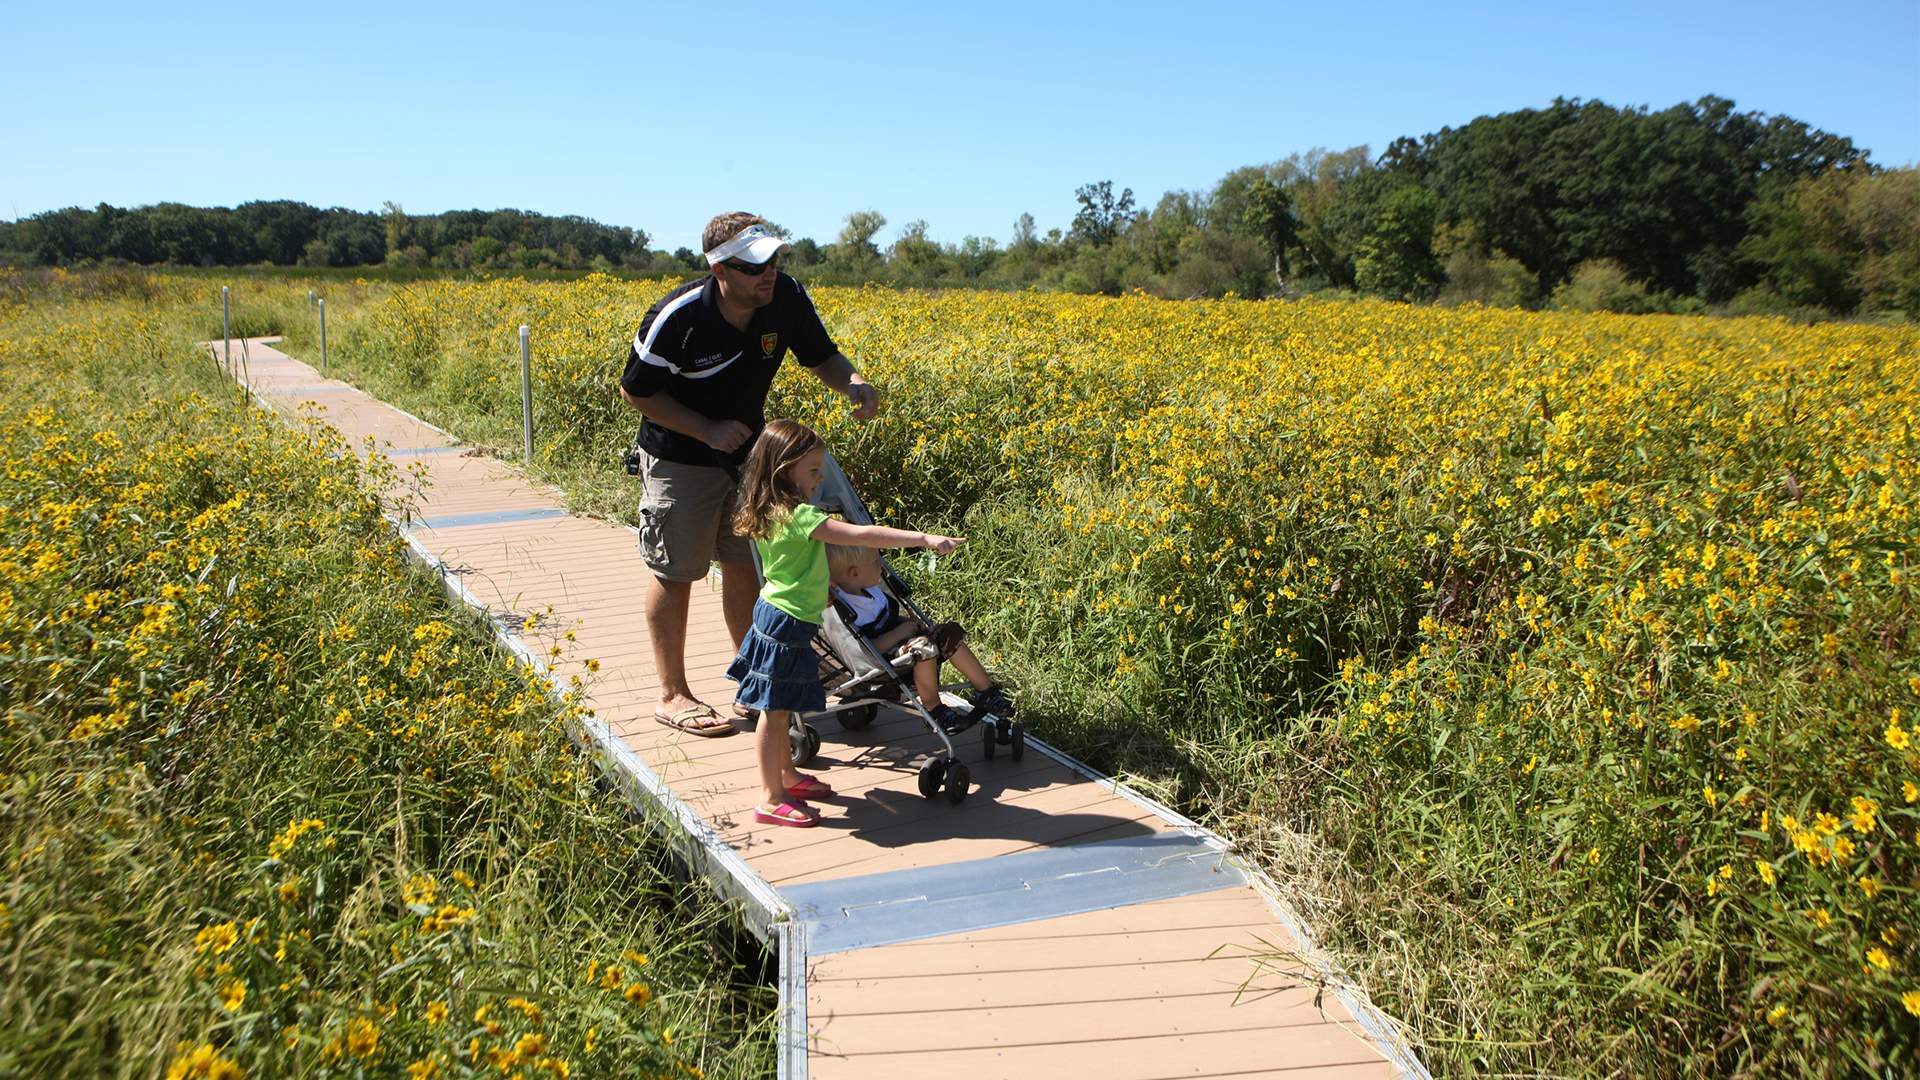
column 526, row 392
column 323, row 338
column 226, row 332
column 309, row 299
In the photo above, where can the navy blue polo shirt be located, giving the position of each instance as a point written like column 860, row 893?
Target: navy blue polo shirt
column 687, row 350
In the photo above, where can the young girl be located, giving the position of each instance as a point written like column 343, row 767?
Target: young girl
column 776, row 668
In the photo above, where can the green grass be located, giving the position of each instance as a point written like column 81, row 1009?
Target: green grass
column 266, row 799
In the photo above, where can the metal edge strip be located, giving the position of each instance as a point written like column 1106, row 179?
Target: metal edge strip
column 487, row 517
column 1179, row 821
column 792, row 1051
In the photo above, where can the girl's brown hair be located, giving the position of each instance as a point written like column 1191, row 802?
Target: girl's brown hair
column 767, row 493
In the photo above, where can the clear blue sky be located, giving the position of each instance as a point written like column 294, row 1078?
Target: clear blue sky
column 965, row 115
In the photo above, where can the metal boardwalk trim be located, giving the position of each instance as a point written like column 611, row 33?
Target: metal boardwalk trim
column 492, row 517
column 907, row 905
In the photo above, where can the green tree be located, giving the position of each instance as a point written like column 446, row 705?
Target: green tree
column 395, row 221
column 914, row 258
column 1101, row 216
column 1269, row 214
column 1395, row 257
column 1842, row 241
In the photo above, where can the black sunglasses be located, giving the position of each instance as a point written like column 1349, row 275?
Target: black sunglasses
column 752, row 269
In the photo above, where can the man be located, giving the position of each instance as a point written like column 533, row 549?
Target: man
column 699, row 372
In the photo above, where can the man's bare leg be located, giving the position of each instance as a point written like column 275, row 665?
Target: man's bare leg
column 739, row 588
column 666, row 603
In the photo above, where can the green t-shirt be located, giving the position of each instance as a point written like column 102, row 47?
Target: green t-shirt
column 795, row 565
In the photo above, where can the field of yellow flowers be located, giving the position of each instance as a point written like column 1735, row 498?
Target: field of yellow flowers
column 269, row 805
column 1571, row 661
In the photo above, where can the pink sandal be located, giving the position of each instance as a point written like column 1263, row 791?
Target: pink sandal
column 799, row 817
column 810, row 787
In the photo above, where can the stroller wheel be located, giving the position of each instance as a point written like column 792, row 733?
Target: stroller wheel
column 957, row 780
column 855, row 719
column 1019, row 740
column 803, row 743
column 987, row 740
column 931, row 774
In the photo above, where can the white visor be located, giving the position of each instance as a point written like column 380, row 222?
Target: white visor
column 754, row 244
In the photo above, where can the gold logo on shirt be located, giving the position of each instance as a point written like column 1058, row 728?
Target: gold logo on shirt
column 767, row 342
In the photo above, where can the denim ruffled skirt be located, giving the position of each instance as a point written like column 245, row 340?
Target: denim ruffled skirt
column 776, row 667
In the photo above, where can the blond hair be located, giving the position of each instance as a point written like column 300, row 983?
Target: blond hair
column 843, row 556
column 767, row 493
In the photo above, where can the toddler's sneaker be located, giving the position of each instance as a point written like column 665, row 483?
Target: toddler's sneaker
column 950, row 721
column 992, row 700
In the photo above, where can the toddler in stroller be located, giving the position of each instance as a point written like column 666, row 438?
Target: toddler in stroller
column 874, row 614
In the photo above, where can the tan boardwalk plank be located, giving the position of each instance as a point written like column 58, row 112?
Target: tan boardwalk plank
column 482, row 546
column 707, row 660
column 1051, row 1022
column 556, row 602
column 710, row 650
column 1226, row 939
column 874, row 813
column 516, row 554
column 1132, row 974
column 359, row 415
column 937, row 843
column 1221, row 908
column 357, row 424
column 469, row 465
column 617, row 612
column 506, row 544
column 1114, row 1054
column 929, row 832
column 854, row 770
column 969, row 954
column 448, row 488
column 1101, row 817
column 387, row 432
column 691, row 766
column 883, row 787
column 598, row 586
column 873, row 801
column 692, row 763
column 456, row 472
column 1124, row 982
column 879, row 739
column 598, row 594
column 450, row 476
column 630, row 569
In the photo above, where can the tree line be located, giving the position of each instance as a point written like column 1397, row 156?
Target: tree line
column 1580, row 204
column 287, row 233
column 1697, row 207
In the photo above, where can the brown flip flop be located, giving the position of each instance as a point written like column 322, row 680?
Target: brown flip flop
column 686, row 720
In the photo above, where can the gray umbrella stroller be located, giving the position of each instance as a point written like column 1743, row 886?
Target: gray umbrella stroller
column 859, row 679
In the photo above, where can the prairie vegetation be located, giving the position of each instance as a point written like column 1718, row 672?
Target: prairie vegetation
column 269, row 804
column 1566, row 663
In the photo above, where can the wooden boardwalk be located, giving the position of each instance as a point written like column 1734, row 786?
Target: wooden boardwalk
column 1052, row 921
